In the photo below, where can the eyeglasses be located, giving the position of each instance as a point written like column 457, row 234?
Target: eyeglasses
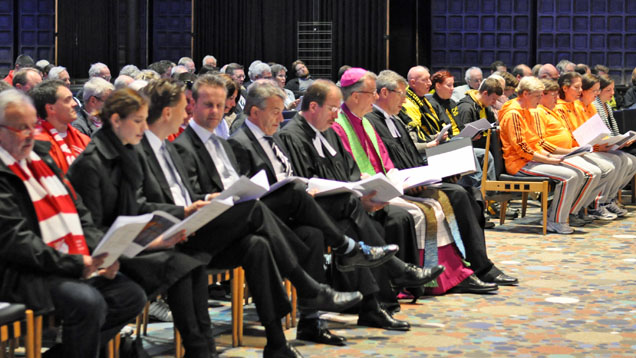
column 334, row 109
column 374, row 92
column 22, row 132
column 400, row 93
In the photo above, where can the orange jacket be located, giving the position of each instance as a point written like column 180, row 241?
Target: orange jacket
column 519, row 139
column 551, row 130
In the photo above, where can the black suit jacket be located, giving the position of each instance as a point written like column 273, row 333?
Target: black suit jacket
column 155, row 184
column 200, row 168
column 250, row 154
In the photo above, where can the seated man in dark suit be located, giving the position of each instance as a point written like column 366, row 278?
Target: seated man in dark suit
column 46, row 239
column 256, row 150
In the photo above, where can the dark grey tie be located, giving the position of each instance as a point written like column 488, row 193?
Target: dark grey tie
column 280, row 155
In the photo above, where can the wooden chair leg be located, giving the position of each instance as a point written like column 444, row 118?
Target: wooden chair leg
column 288, row 316
column 37, row 337
column 294, row 301
column 240, row 316
column 502, row 212
column 145, row 318
column 179, row 351
column 524, row 203
column 29, row 338
column 235, row 304
column 544, row 208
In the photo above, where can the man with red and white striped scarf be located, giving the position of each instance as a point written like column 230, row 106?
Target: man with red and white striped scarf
column 46, row 236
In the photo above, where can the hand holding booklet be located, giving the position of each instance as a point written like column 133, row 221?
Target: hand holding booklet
column 592, row 132
column 440, row 135
column 474, row 128
column 576, row 151
column 255, row 187
column 385, row 189
column 129, row 235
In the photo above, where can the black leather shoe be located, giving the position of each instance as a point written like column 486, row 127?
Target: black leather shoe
column 313, row 331
column 286, row 351
column 414, row 276
column 365, row 256
column 382, row 319
column 504, row 280
column 472, row 284
column 330, row 300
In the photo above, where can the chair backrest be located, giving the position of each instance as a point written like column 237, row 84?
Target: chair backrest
column 497, row 153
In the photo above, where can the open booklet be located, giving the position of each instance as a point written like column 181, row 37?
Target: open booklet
column 474, row 128
column 592, row 132
column 455, row 157
column 129, row 235
column 441, row 133
column 385, row 189
column 255, row 187
column 624, row 138
column 577, row 151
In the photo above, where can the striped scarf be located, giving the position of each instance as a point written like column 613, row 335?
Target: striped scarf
column 68, row 154
column 59, row 222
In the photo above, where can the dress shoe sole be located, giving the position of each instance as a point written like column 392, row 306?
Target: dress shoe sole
column 419, row 283
column 322, row 340
column 366, row 264
column 332, row 309
column 477, row 291
column 390, row 328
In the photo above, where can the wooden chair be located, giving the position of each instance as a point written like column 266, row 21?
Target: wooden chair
column 502, row 189
column 11, row 319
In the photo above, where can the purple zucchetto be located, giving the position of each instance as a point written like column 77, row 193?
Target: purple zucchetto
column 351, row 76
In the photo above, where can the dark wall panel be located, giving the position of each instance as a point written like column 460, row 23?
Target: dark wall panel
column 243, row 31
column 171, row 28
column 36, row 29
column 6, row 36
column 469, row 33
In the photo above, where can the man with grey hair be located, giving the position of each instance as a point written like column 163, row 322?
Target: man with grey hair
column 177, row 70
column 187, row 63
column 208, row 60
column 60, row 73
column 26, row 78
column 51, row 265
column 129, row 70
column 565, row 66
column 549, row 71
column 96, row 91
column 123, row 81
column 473, row 79
column 99, row 69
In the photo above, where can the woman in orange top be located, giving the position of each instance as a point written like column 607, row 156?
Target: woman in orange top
column 524, row 157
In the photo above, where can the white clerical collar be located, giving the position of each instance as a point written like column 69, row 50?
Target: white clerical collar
column 318, row 139
column 389, row 122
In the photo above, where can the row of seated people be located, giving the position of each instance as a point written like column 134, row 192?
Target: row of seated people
column 535, row 134
column 62, row 189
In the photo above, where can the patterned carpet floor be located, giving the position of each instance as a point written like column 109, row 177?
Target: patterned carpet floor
column 576, row 298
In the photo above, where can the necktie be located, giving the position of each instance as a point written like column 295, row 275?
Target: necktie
column 280, row 155
column 174, row 175
column 224, row 167
column 392, row 127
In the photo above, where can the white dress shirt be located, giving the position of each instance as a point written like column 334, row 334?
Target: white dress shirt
column 177, row 188
column 217, row 153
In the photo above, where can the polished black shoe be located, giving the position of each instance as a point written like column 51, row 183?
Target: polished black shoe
column 286, row 351
column 365, row 256
column 312, row 330
column 414, row 276
column 489, row 224
column 330, row 300
column 472, row 284
column 504, row 280
column 382, row 319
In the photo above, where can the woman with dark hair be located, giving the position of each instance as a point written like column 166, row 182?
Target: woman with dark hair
column 108, row 176
column 446, row 109
column 279, row 74
column 629, row 100
column 604, row 110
